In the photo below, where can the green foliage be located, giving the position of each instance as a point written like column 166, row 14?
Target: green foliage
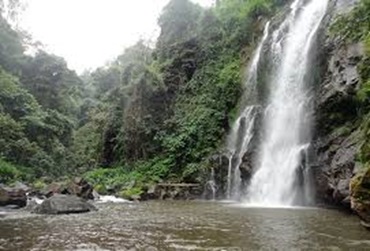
column 130, row 192
column 34, row 135
column 178, row 21
column 354, row 26
column 166, row 110
column 112, row 179
column 364, row 93
column 154, row 170
column 30, row 136
column 8, row 172
column 39, row 184
column 156, row 113
column 360, row 185
column 52, row 83
column 364, row 153
column 100, row 189
column 11, row 48
column 15, row 100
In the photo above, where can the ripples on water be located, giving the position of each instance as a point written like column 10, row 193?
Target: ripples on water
column 184, row 226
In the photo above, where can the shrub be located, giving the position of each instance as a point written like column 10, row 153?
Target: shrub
column 128, row 193
column 8, row 172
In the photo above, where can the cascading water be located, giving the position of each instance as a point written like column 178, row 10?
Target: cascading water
column 287, row 122
column 242, row 132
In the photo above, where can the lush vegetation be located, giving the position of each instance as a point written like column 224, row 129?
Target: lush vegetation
column 170, row 107
column 38, row 110
column 152, row 114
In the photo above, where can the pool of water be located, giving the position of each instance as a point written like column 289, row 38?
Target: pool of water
column 196, row 225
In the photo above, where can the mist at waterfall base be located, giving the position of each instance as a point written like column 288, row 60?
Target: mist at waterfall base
column 281, row 175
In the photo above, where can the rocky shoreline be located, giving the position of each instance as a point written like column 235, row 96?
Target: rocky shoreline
column 74, row 196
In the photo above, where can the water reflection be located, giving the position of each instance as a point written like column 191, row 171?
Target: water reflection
column 185, row 226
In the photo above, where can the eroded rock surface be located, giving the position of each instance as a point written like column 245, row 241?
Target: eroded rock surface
column 13, row 196
column 337, row 136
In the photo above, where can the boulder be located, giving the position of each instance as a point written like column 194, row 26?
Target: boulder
column 31, row 205
column 81, row 188
column 64, row 204
column 336, row 165
column 51, row 189
column 12, row 196
column 20, row 185
column 78, row 186
column 152, row 192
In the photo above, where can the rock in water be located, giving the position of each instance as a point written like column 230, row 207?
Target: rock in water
column 64, row 204
column 81, row 188
column 78, row 186
column 12, row 196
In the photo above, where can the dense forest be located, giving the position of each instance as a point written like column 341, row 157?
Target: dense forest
column 150, row 115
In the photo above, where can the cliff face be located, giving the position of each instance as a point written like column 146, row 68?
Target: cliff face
column 338, row 136
column 339, row 170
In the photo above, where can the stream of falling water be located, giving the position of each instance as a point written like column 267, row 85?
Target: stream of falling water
column 242, row 132
column 287, row 118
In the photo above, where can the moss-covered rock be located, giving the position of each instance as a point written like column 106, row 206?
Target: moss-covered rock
column 101, row 189
column 360, row 194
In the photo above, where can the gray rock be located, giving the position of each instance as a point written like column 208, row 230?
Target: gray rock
column 81, row 188
column 31, row 206
column 77, row 186
column 341, row 192
column 64, row 204
column 20, row 185
column 344, row 6
column 337, row 138
column 219, row 163
column 96, row 195
column 12, row 196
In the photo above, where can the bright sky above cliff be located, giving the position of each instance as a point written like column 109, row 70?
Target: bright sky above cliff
column 88, row 33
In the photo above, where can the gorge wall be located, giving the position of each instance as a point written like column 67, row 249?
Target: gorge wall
column 338, row 131
column 338, row 136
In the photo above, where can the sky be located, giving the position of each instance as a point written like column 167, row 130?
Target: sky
column 89, row 33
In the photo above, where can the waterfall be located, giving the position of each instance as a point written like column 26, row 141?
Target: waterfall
column 287, row 117
column 242, row 131
column 210, row 188
column 213, row 184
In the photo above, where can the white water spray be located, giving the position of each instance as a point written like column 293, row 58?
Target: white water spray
column 287, row 122
column 242, row 132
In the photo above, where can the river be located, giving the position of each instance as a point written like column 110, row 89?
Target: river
column 195, row 225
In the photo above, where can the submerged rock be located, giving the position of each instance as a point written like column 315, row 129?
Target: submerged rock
column 64, row 204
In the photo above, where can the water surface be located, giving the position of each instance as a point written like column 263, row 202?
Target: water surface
column 185, row 226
